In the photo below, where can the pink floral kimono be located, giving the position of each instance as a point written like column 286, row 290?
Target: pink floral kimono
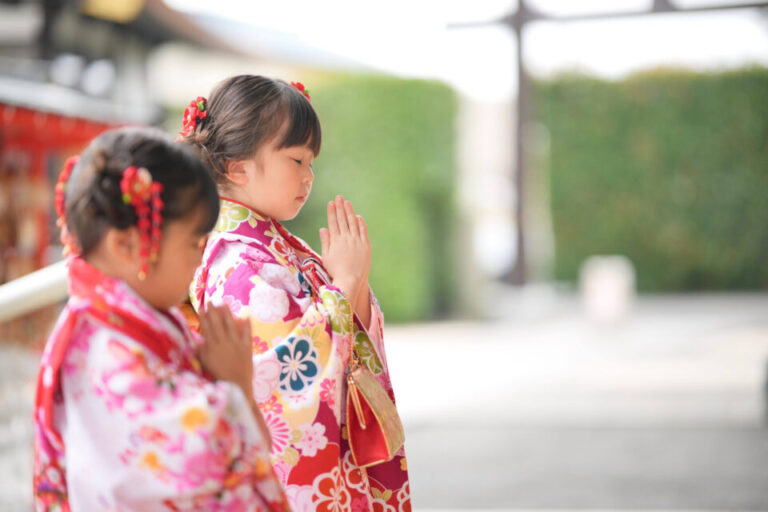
column 125, row 420
column 301, row 346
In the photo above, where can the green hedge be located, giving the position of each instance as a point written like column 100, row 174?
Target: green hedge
column 388, row 146
column 669, row 168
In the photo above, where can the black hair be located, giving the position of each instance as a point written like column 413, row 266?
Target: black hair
column 93, row 199
column 246, row 111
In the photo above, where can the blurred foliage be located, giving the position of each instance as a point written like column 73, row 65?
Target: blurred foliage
column 669, row 168
column 388, row 147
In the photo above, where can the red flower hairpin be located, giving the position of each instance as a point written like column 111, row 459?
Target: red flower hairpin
column 303, row 90
column 194, row 111
column 140, row 191
column 67, row 240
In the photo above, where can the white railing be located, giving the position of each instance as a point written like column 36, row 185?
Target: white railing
column 26, row 294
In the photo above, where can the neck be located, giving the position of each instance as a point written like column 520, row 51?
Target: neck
column 238, row 196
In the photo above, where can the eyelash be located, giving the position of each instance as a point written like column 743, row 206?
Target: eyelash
column 300, row 162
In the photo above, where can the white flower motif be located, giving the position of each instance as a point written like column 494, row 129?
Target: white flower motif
column 300, row 498
column 266, row 303
column 278, row 276
column 300, row 401
column 312, row 439
column 266, row 376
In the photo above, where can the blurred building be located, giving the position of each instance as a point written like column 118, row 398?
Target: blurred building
column 68, row 71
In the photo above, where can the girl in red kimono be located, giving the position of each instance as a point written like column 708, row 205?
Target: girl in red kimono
column 260, row 137
column 125, row 417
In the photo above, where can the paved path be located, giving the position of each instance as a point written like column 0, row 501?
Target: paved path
column 544, row 411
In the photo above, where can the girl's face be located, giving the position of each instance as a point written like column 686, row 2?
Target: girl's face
column 277, row 181
column 181, row 249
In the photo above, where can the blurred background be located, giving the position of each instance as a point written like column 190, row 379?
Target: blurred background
column 567, row 200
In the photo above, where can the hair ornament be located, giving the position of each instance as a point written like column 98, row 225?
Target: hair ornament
column 197, row 109
column 144, row 194
column 67, row 240
column 303, row 90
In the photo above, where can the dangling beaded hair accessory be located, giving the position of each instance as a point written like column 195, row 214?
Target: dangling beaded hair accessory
column 140, row 191
column 67, row 240
column 303, row 90
column 197, row 109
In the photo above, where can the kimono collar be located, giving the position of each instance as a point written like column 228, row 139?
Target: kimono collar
column 113, row 299
column 239, row 220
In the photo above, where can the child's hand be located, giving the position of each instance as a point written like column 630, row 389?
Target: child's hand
column 346, row 249
column 226, row 352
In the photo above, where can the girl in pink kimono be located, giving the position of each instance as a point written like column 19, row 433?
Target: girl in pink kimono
column 260, row 137
column 131, row 412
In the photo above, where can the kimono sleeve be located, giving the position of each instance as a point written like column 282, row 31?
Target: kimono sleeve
column 160, row 438
column 277, row 299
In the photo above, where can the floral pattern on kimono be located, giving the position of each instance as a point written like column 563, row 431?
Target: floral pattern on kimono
column 126, row 420
column 301, row 345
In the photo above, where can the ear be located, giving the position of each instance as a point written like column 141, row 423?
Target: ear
column 237, row 171
column 122, row 248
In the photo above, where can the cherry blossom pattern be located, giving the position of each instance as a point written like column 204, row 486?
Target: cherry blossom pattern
column 312, row 439
column 327, row 388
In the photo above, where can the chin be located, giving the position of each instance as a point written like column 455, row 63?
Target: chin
column 292, row 216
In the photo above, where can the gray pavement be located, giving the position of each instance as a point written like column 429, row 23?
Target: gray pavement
column 543, row 410
column 546, row 411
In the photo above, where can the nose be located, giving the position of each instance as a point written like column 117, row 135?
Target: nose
column 309, row 176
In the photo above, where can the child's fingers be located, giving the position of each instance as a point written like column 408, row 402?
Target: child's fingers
column 231, row 332
column 325, row 241
column 216, row 329
column 341, row 218
column 333, row 224
column 351, row 219
column 363, row 227
column 206, row 328
column 244, row 331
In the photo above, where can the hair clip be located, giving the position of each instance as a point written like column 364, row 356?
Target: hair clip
column 194, row 111
column 144, row 194
column 303, row 90
column 67, row 240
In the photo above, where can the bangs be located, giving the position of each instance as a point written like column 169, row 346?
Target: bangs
column 303, row 125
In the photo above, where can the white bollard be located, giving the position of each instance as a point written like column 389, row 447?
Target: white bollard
column 607, row 288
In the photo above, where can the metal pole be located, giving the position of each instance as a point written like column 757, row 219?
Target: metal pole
column 518, row 274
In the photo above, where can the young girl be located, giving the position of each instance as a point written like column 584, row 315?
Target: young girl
column 125, row 419
column 260, row 137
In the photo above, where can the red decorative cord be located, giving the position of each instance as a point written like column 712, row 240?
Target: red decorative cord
column 67, row 240
column 140, row 191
